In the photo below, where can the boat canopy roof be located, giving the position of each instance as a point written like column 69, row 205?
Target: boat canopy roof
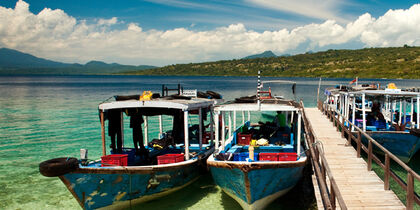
column 181, row 104
column 265, row 105
column 390, row 93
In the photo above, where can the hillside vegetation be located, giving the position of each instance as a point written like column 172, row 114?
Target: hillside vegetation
column 395, row 62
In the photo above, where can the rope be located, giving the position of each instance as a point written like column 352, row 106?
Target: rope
column 313, row 145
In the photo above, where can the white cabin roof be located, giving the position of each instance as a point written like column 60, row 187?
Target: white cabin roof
column 255, row 107
column 182, row 104
column 387, row 92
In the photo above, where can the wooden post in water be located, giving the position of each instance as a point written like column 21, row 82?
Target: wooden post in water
column 387, row 172
column 103, row 132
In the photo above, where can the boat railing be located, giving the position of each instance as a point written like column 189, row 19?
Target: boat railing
column 345, row 127
column 330, row 193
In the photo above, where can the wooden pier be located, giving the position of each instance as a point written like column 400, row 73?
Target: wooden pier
column 358, row 187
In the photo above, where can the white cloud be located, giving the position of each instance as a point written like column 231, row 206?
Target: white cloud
column 107, row 22
column 55, row 35
column 323, row 10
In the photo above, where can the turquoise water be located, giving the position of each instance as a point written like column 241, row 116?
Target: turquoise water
column 43, row 117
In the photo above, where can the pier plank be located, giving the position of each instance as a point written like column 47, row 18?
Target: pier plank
column 360, row 188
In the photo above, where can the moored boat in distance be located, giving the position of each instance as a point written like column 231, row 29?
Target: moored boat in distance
column 390, row 116
column 150, row 169
column 257, row 162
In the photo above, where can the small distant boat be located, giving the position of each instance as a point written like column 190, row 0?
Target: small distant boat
column 255, row 173
column 129, row 176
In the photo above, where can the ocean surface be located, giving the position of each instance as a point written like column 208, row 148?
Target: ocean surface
column 44, row 117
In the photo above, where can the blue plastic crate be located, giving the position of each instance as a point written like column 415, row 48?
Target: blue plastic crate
column 243, row 156
column 131, row 152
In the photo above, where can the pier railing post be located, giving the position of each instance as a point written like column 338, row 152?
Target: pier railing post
column 369, row 156
column 359, row 143
column 337, row 123
column 410, row 191
column 342, row 128
column 323, row 172
column 386, row 178
column 349, row 136
column 332, row 196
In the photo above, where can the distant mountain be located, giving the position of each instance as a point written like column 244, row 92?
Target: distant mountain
column 14, row 59
column 16, row 62
column 266, row 54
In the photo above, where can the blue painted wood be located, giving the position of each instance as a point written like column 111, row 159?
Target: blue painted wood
column 262, row 182
column 266, row 182
column 231, row 180
column 96, row 190
column 402, row 145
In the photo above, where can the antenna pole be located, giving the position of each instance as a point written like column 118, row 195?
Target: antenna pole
column 259, row 87
column 319, row 86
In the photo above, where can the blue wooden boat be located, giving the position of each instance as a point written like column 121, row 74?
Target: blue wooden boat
column 149, row 170
column 278, row 160
column 402, row 144
column 389, row 116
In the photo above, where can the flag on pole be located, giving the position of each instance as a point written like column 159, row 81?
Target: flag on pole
column 353, row 81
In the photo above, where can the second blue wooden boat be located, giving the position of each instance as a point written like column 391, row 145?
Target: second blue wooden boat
column 255, row 183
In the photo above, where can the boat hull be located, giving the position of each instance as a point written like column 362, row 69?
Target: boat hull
column 123, row 187
column 402, row 144
column 254, row 186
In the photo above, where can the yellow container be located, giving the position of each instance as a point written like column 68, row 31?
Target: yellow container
column 147, row 95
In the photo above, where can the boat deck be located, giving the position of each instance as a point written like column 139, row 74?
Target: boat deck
column 360, row 188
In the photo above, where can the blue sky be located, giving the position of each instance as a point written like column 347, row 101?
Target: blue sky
column 204, row 15
column 162, row 32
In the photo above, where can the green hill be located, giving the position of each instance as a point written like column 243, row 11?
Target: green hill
column 394, row 62
column 265, row 54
